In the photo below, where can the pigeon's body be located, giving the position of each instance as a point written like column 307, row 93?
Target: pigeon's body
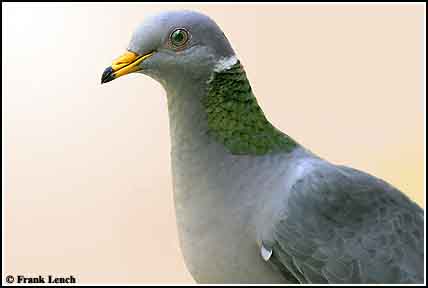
column 218, row 235
column 252, row 205
column 243, row 201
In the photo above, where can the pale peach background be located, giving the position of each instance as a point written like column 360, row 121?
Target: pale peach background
column 88, row 178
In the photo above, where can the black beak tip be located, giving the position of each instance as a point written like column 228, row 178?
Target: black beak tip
column 107, row 75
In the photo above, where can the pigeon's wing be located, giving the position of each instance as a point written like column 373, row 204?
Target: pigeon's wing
column 340, row 225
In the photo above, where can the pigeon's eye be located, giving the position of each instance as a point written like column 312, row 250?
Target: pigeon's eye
column 179, row 37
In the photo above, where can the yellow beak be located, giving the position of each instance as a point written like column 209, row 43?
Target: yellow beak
column 125, row 64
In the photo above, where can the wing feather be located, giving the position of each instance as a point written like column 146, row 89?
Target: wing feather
column 341, row 225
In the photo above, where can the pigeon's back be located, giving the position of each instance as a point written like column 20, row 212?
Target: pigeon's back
column 341, row 225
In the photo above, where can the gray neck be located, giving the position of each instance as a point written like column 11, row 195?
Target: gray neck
column 192, row 149
column 187, row 119
column 198, row 159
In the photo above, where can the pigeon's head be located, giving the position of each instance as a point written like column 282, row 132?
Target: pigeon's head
column 173, row 46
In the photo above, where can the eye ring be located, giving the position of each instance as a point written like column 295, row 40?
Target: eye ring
column 179, row 37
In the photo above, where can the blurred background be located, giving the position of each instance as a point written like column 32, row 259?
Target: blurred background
column 87, row 188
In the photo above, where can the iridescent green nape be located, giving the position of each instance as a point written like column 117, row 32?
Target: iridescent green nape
column 236, row 120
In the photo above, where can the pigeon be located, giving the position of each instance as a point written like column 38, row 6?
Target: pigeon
column 252, row 204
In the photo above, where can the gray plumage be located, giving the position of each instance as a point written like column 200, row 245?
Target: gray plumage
column 341, row 225
column 275, row 216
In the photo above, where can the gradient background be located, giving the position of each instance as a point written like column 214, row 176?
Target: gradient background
column 88, row 178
